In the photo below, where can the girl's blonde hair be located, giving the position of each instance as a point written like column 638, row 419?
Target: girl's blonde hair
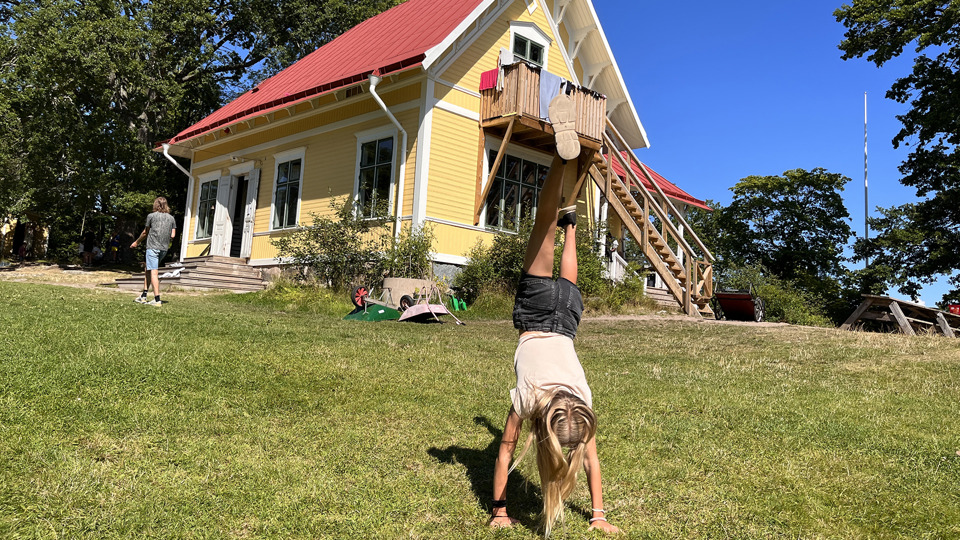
column 160, row 205
column 562, row 420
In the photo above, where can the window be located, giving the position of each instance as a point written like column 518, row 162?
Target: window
column 375, row 176
column 515, row 191
column 528, row 50
column 286, row 195
column 207, row 208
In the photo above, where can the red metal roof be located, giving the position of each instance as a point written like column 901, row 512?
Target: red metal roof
column 395, row 40
column 669, row 188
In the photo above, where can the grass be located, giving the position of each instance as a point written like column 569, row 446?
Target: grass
column 263, row 416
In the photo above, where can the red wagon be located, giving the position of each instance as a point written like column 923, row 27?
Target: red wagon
column 739, row 306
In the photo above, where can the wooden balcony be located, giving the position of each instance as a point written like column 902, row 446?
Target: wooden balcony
column 518, row 104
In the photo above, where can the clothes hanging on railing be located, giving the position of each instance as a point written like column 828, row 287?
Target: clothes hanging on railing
column 550, row 85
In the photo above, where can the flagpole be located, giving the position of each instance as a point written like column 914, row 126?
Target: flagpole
column 866, row 197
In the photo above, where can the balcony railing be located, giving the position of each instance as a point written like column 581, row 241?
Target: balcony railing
column 520, row 99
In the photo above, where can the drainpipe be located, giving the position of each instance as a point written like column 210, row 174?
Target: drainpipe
column 186, row 213
column 166, row 154
column 375, row 79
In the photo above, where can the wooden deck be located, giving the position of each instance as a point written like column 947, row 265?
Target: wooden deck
column 907, row 317
column 518, row 105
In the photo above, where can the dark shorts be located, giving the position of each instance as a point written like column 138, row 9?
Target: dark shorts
column 545, row 305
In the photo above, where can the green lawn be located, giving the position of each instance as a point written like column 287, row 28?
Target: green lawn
column 223, row 416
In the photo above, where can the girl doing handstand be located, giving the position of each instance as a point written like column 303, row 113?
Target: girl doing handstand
column 551, row 391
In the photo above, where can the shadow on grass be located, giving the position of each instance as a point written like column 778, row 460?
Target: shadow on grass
column 524, row 499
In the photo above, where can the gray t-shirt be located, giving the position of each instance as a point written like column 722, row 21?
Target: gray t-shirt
column 161, row 226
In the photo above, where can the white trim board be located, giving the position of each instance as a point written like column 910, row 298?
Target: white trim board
column 208, row 147
column 290, row 139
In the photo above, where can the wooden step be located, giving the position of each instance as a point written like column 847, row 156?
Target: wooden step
column 199, row 273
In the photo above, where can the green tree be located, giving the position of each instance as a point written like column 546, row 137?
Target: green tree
column 88, row 88
column 794, row 225
column 918, row 241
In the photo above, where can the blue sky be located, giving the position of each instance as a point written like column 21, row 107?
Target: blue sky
column 727, row 90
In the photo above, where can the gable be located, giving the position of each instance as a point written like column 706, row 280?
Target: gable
column 578, row 51
column 479, row 49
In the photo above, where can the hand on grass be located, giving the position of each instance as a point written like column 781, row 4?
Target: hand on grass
column 502, row 522
column 604, row 526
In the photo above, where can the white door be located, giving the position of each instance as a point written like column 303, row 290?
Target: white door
column 249, row 210
column 220, row 239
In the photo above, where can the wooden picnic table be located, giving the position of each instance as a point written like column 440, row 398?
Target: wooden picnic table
column 909, row 317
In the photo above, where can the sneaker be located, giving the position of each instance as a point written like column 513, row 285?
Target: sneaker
column 140, row 299
column 567, row 216
column 153, row 303
column 563, row 116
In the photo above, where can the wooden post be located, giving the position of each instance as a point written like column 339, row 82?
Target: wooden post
column 480, row 153
column 493, row 171
column 944, row 325
column 583, row 169
column 855, row 316
column 901, row 319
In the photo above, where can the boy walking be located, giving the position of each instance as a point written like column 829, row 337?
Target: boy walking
column 159, row 230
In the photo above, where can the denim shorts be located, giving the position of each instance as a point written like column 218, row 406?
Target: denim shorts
column 154, row 256
column 545, row 305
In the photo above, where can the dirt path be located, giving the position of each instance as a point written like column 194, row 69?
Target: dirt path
column 80, row 278
column 684, row 318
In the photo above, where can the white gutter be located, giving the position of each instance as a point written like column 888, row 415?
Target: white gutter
column 186, row 216
column 166, row 154
column 374, row 81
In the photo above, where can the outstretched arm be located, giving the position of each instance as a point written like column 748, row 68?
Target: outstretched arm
column 591, row 465
column 141, row 237
column 501, row 469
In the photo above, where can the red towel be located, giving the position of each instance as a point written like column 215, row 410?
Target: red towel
column 488, row 79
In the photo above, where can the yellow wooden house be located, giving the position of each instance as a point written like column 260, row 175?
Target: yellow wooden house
column 430, row 109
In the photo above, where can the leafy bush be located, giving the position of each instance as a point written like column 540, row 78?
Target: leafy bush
column 782, row 299
column 409, row 254
column 345, row 250
column 495, row 271
column 478, row 276
column 341, row 251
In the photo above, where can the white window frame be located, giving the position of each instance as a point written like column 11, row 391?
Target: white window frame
column 201, row 180
column 370, row 136
column 283, row 157
column 493, row 144
column 532, row 33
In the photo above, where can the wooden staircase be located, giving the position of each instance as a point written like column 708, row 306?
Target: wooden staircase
column 204, row 273
column 687, row 273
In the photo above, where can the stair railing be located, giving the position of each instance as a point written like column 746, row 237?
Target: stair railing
column 699, row 273
column 666, row 200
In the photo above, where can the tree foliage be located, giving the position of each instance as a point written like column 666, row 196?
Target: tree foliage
column 918, row 241
column 87, row 89
column 794, row 225
column 784, row 236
